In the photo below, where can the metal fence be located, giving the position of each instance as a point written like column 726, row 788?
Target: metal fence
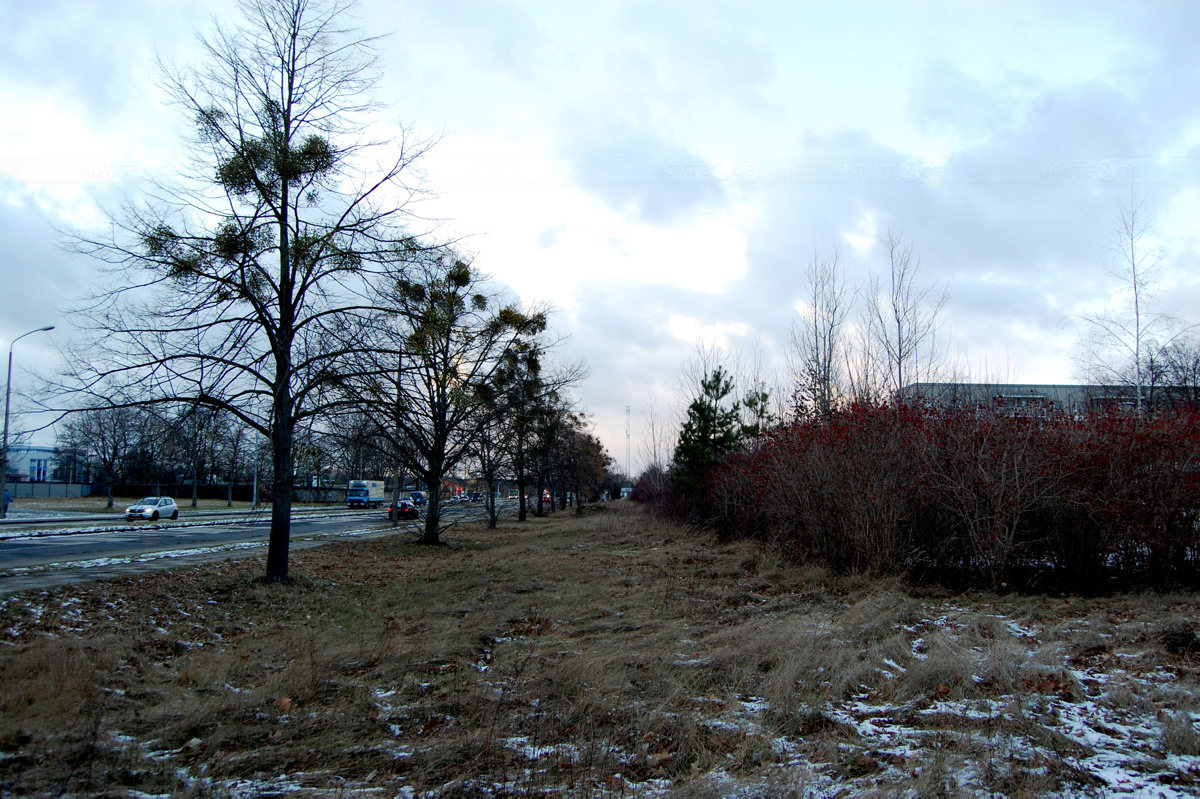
column 46, row 490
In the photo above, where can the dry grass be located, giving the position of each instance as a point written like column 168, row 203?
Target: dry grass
column 609, row 653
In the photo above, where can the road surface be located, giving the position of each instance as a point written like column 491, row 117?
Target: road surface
column 58, row 555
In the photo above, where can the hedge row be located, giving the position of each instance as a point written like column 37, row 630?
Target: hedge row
column 961, row 496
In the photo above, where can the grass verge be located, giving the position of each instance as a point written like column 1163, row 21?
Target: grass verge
column 610, row 653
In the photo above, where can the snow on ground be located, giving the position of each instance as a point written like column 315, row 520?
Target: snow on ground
column 1082, row 737
column 1088, row 724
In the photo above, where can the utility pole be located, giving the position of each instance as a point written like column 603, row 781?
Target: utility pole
column 7, row 399
column 628, row 476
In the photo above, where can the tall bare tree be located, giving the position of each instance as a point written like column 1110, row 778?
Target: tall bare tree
column 1181, row 366
column 901, row 321
column 491, row 450
column 227, row 287
column 818, row 349
column 528, row 393
column 1125, row 340
column 577, row 461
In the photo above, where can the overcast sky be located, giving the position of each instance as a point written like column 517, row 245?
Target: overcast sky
column 661, row 172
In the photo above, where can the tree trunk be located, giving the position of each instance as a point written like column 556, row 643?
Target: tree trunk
column 281, row 488
column 196, row 484
column 432, row 517
column 521, row 477
column 433, row 481
column 490, row 503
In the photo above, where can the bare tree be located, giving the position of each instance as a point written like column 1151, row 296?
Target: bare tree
column 528, row 394
column 578, row 461
column 1180, row 361
column 428, row 362
column 866, row 371
column 228, row 288
column 901, row 320
column 110, row 436
column 658, row 442
column 491, row 449
column 1123, row 342
column 817, row 356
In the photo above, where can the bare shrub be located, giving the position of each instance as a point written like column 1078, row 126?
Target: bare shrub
column 974, row 496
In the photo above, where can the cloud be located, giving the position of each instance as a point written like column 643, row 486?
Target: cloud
column 1014, row 220
column 489, row 36
column 38, row 279
column 645, row 177
column 97, row 56
column 550, row 236
column 636, row 163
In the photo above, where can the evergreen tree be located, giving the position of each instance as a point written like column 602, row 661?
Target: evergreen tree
column 709, row 434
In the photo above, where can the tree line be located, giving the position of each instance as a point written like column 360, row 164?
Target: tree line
column 280, row 285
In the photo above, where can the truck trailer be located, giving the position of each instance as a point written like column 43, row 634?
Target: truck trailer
column 365, row 494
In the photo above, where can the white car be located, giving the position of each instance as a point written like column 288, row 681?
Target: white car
column 152, row 508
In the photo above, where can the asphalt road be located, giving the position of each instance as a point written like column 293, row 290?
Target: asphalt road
column 61, row 555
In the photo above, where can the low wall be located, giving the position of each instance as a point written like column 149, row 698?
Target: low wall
column 241, row 493
column 47, row 490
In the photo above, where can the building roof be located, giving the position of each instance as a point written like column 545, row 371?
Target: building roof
column 1063, row 396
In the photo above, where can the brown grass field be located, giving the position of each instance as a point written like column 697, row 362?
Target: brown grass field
column 609, row 653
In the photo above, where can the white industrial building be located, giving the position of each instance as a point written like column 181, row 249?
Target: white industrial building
column 30, row 464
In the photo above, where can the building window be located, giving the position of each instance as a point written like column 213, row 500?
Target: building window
column 37, row 470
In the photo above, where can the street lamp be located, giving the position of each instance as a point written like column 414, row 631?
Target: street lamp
column 7, row 399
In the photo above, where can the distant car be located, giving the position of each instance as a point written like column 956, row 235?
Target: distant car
column 404, row 510
column 152, row 508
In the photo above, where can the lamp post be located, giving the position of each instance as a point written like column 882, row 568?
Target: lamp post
column 7, row 399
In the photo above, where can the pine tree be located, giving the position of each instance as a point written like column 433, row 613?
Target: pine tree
column 709, row 433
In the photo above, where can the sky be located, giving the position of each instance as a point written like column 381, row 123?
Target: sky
column 661, row 172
